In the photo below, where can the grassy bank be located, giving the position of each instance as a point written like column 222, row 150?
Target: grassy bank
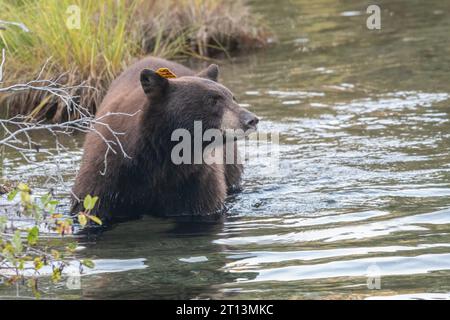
column 110, row 35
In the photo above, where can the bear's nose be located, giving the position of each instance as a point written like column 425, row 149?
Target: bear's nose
column 250, row 120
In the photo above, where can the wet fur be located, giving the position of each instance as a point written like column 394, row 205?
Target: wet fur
column 148, row 181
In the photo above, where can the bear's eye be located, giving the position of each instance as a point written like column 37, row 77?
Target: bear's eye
column 215, row 99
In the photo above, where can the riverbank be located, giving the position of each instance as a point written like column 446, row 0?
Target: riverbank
column 91, row 42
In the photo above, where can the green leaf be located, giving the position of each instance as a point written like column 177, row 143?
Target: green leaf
column 56, row 275
column 89, row 202
column 25, row 197
column 96, row 219
column 33, row 236
column 88, row 263
column 38, row 263
column 3, row 221
column 45, row 198
column 23, row 187
column 16, row 242
column 82, row 219
column 55, row 253
column 12, row 194
column 72, row 246
column 94, row 201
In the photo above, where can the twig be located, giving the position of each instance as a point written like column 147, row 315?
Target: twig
column 18, row 129
column 17, row 24
column 2, row 64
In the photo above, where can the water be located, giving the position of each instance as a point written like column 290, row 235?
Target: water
column 364, row 182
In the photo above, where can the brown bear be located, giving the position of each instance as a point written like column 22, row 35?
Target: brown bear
column 137, row 176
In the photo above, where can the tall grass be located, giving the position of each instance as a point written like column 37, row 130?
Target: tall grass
column 209, row 26
column 112, row 33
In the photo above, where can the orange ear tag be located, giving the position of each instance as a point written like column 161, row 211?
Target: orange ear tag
column 165, row 73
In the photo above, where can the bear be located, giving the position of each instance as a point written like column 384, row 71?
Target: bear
column 137, row 176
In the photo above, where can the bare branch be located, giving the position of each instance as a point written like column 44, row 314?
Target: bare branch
column 17, row 24
column 18, row 130
column 2, row 64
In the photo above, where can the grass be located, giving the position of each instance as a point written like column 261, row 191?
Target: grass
column 112, row 34
column 209, row 26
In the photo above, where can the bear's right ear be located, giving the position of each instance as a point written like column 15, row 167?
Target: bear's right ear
column 153, row 84
column 211, row 73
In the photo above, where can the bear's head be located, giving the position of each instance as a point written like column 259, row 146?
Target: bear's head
column 184, row 100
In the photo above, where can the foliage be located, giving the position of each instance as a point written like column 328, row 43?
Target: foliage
column 24, row 251
column 111, row 35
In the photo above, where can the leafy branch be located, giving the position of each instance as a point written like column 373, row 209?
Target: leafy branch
column 22, row 253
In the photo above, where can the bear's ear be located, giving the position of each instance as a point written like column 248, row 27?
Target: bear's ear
column 211, row 73
column 153, row 84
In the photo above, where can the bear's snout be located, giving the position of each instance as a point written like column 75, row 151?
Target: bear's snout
column 249, row 120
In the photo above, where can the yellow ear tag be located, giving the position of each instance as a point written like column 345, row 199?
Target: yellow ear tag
column 165, row 73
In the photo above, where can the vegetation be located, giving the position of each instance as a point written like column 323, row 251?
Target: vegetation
column 22, row 252
column 60, row 58
column 108, row 36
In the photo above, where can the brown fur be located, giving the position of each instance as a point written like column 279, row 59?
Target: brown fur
column 148, row 181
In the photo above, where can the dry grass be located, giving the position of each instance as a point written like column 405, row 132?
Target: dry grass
column 112, row 33
column 208, row 27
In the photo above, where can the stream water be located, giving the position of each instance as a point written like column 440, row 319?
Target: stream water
column 361, row 205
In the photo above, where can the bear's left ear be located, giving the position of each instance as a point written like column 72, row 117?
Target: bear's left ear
column 153, row 84
column 211, row 73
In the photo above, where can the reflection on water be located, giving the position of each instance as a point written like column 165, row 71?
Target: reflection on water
column 363, row 179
